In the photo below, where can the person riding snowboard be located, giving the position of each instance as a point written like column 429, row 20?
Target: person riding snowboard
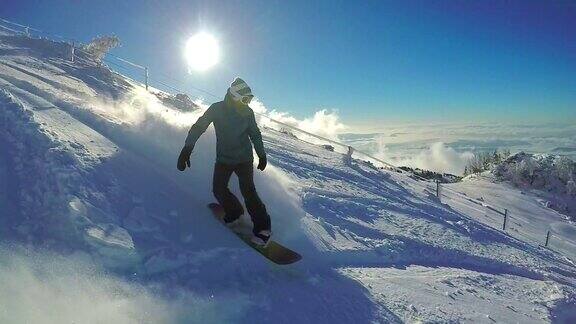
column 236, row 128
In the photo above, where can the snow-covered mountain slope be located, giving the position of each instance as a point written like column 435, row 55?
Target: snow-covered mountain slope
column 530, row 215
column 549, row 177
column 88, row 182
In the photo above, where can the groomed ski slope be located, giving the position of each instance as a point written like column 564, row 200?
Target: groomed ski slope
column 97, row 225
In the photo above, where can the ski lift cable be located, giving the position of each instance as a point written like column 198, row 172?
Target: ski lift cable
column 10, row 29
column 19, row 25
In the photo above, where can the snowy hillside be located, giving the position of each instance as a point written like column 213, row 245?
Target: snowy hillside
column 552, row 177
column 97, row 225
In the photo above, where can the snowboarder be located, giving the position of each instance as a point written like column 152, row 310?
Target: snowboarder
column 236, row 128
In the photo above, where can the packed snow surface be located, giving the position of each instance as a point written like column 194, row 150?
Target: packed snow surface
column 97, row 225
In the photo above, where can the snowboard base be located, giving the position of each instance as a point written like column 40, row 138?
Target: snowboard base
column 274, row 251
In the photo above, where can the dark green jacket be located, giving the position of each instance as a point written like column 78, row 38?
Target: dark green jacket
column 235, row 128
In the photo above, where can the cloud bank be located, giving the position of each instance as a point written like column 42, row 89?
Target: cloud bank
column 437, row 157
column 323, row 123
column 447, row 147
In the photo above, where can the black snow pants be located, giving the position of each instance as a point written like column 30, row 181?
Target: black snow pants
column 233, row 208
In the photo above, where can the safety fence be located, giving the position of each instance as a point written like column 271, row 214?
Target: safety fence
column 493, row 216
column 502, row 219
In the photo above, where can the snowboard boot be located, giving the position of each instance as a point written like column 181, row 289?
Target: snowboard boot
column 262, row 238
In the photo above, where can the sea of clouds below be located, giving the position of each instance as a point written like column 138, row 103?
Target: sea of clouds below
column 447, row 147
column 440, row 147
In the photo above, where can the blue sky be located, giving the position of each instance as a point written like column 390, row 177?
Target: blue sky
column 373, row 61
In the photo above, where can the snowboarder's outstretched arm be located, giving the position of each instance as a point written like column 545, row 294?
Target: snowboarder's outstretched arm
column 256, row 138
column 199, row 127
column 194, row 133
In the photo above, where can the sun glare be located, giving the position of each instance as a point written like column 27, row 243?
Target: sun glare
column 202, row 51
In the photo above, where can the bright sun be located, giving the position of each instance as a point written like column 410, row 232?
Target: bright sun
column 202, row 51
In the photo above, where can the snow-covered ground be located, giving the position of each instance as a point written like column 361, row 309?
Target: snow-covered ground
column 529, row 216
column 92, row 205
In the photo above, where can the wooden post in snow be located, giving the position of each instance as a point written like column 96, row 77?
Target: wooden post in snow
column 438, row 188
column 146, row 77
column 547, row 238
column 505, row 219
column 350, row 152
column 72, row 47
column 348, row 156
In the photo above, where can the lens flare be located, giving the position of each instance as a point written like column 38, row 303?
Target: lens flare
column 202, row 52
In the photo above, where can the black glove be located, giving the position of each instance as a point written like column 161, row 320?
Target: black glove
column 184, row 158
column 262, row 163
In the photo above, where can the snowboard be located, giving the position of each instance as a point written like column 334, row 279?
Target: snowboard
column 274, row 251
